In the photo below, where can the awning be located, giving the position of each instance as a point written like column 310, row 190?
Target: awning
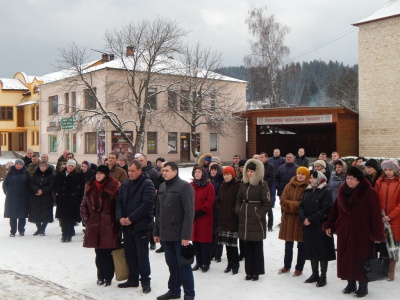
column 30, row 102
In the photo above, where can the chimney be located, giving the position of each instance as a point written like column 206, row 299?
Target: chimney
column 105, row 58
column 129, row 51
column 112, row 56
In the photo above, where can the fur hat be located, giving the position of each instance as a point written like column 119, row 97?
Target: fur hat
column 356, row 173
column 187, row 254
column 103, row 169
column 242, row 162
column 304, row 171
column 19, row 161
column 390, row 164
column 320, row 162
column 71, row 162
column 373, row 163
column 229, row 170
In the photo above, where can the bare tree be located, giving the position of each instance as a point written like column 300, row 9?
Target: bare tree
column 205, row 98
column 344, row 90
column 267, row 53
column 138, row 73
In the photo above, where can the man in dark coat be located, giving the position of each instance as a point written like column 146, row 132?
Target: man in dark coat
column 134, row 211
column 276, row 160
column 285, row 173
column 269, row 177
column 28, row 157
column 175, row 201
column 301, row 160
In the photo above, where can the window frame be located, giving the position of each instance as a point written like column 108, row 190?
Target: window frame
column 90, row 100
column 152, row 142
column 171, row 139
column 8, row 112
column 152, row 100
column 88, row 145
column 53, row 105
column 211, row 142
column 53, row 143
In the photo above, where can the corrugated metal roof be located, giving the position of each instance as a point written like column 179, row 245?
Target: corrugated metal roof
column 391, row 9
column 12, row 84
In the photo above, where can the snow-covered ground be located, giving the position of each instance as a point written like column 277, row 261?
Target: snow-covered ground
column 34, row 267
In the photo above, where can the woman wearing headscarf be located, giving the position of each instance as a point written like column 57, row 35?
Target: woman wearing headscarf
column 338, row 176
column 291, row 229
column 41, row 208
column 313, row 210
column 86, row 170
column 320, row 165
column 202, row 232
column 388, row 187
column 16, row 187
column 356, row 219
column 252, row 205
column 102, row 229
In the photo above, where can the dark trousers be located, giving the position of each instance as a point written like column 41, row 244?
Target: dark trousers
column 67, row 227
column 241, row 249
column 179, row 274
column 21, row 225
column 254, row 257
column 136, row 244
column 270, row 218
column 41, row 226
column 104, row 264
column 273, row 194
column 289, row 255
column 216, row 249
column 203, row 257
column 233, row 256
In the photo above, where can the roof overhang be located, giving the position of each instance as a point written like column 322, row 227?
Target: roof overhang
column 30, row 102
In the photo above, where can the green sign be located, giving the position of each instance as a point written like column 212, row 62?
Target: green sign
column 67, row 123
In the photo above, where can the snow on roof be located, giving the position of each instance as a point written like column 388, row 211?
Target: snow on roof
column 391, row 9
column 12, row 84
column 163, row 65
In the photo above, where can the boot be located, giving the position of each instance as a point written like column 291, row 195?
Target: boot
column 392, row 267
column 351, row 287
column 235, row 268
column 315, row 273
column 228, row 268
column 324, row 268
column 362, row 290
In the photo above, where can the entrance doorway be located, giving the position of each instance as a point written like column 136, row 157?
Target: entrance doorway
column 185, row 147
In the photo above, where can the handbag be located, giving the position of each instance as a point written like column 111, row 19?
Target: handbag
column 120, row 265
column 376, row 268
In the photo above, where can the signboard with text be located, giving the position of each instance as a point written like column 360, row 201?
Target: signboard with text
column 294, row 120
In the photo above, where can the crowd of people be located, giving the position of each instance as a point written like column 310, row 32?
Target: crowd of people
column 133, row 204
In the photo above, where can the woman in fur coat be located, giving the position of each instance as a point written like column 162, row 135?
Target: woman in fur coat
column 291, row 229
column 102, row 229
column 314, row 208
column 41, row 208
column 356, row 219
column 252, row 204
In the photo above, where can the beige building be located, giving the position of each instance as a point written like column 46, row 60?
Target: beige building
column 379, row 82
column 64, row 124
column 19, row 113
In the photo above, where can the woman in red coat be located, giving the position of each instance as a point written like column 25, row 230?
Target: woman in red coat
column 202, row 232
column 102, row 229
column 388, row 188
column 356, row 219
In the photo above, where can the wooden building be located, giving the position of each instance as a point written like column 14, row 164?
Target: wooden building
column 316, row 129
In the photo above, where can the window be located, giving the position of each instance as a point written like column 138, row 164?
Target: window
column 197, row 99
column 184, row 101
column 152, row 98
column 73, row 143
column 213, row 142
column 90, row 99
column 152, row 142
column 53, row 105
column 35, row 138
column 172, row 142
column 197, row 137
column 90, row 143
column 3, row 138
column 73, row 101
column 66, row 142
column 6, row 113
column 213, row 102
column 35, row 112
column 171, row 100
column 53, row 143
column 66, row 104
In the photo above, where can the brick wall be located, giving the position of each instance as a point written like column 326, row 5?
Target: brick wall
column 379, row 88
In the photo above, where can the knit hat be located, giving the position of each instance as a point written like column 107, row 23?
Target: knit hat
column 373, row 163
column 103, row 169
column 19, row 161
column 207, row 159
column 71, row 162
column 242, row 162
column 319, row 176
column 229, row 170
column 304, row 171
column 320, row 162
column 251, row 166
column 390, row 164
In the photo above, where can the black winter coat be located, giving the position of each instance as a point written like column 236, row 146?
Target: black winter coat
column 135, row 201
column 315, row 206
column 226, row 203
column 41, row 207
column 269, row 174
column 69, row 193
column 16, row 188
column 283, row 176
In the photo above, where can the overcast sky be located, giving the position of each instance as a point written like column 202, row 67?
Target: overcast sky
column 31, row 31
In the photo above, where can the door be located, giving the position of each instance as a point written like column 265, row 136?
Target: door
column 185, row 147
column 20, row 117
